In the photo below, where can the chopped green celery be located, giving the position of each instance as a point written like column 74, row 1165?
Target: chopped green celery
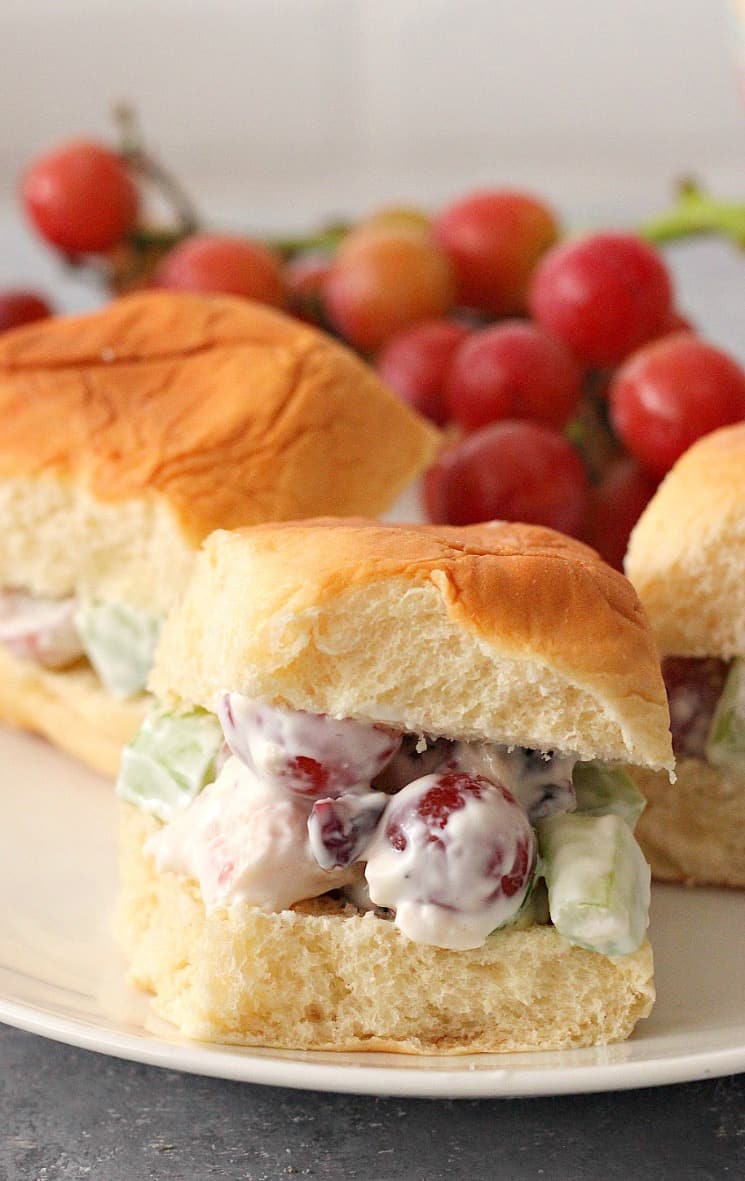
column 602, row 790
column 170, row 759
column 598, row 881
column 120, row 643
column 725, row 746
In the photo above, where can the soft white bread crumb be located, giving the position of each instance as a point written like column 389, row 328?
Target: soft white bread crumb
column 497, row 632
column 694, row 830
column 687, row 553
column 318, row 978
column 59, row 540
column 71, row 709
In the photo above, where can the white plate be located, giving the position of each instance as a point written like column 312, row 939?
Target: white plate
column 60, row 975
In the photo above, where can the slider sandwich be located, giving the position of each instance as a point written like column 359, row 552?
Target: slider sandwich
column 377, row 803
column 686, row 559
column 126, row 437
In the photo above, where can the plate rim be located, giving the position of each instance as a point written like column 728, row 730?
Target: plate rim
column 240, row 1065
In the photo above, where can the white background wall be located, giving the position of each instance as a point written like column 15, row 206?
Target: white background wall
column 299, row 99
column 278, row 112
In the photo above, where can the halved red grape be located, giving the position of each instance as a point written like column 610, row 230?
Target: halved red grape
column 454, row 855
column 309, row 754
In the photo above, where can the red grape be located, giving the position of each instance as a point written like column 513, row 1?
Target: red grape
column 224, row 264
column 512, row 370
column 494, row 240
column 341, row 829
column 80, row 197
column 694, row 687
column 603, row 295
column 309, row 754
column 305, row 276
column 670, row 394
column 415, row 362
column 452, row 882
column 513, row 471
column 384, row 281
column 616, row 504
column 22, row 307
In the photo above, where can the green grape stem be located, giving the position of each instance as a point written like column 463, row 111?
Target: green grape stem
column 323, row 241
column 696, row 212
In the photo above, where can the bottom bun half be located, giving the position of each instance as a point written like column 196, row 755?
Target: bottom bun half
column 693, row 830
column 70, row 708
column 321, row 977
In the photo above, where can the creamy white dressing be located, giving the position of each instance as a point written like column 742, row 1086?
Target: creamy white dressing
column 296, row 811
column 312, row 754
column 447, row 884
column 541, row 783
column 39, row 629
column 245, row 843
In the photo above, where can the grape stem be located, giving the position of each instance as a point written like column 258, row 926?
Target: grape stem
column 141, row 162
column 324, row 241
column 145, row 165
column 696, row 212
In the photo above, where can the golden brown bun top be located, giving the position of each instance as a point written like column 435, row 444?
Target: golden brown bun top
column 268, row 613
column 519, row 585
column 229, row 411
column 686, row 555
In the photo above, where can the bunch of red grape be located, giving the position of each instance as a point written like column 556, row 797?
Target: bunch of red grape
column 570, row 415
column 566, row 380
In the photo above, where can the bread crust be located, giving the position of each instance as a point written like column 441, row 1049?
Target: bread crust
column 693, row 831
column 227, row 411
column 685, row 554
column 685, row 559
column 320, row 978
column 500, row 632
column 70, row 708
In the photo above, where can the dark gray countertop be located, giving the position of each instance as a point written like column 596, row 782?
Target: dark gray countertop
column 67, row 1114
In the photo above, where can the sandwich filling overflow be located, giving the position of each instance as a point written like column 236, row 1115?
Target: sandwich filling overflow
column 449, row 840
